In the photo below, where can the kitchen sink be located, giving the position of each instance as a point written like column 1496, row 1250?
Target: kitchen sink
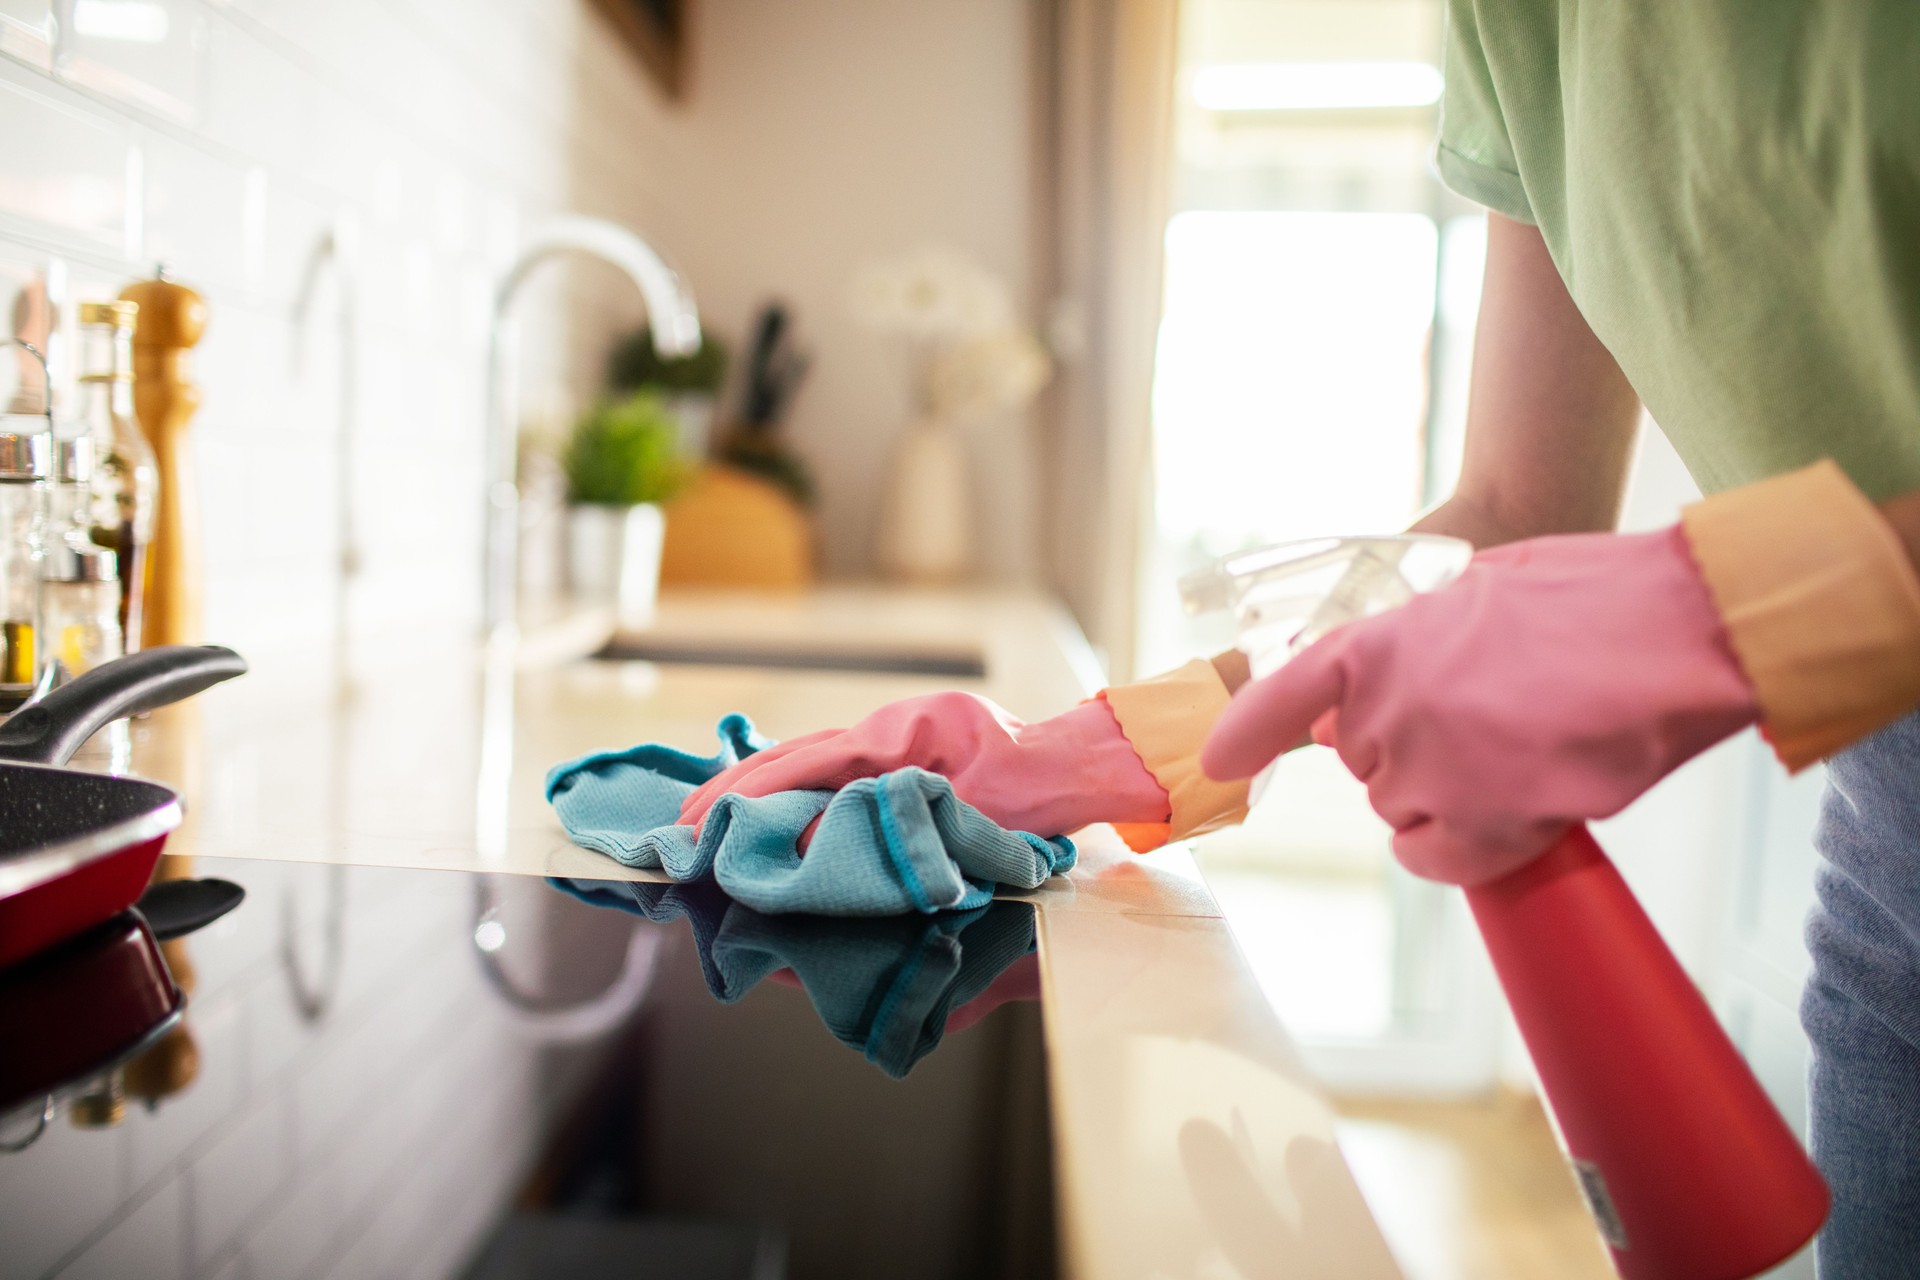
column 950, row 664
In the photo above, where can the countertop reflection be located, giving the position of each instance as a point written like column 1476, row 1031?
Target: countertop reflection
column 384, row 1082
column 889, row 988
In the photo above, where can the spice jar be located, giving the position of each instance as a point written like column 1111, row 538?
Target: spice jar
column 81, row 607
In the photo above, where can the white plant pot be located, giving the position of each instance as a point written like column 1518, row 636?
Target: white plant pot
column 613, row 558
column 926, row 524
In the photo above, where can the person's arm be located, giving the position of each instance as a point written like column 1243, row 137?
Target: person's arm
column 1550, row 417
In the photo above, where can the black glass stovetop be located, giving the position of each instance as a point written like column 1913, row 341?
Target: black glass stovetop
column 409, row 1073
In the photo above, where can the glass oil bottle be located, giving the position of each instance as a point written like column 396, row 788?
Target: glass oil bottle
column 126, row 482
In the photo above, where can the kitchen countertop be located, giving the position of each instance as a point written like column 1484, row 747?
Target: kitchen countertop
column 1187, row 1138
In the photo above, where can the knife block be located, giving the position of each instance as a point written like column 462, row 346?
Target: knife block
column 734, row 529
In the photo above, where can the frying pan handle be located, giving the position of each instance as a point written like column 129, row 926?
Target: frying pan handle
column 51, row 730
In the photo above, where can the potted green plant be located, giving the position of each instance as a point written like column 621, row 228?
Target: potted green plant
column 621, row 462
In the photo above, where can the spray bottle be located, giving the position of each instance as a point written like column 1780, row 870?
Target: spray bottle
column 1686, row 1165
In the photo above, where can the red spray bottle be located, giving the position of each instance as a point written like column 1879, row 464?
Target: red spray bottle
column 1689, row 1170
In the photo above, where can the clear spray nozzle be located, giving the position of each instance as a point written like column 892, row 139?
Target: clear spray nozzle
column 1286, row 596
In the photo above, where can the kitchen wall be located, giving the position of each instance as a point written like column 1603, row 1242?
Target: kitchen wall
column 826, row 134
column 343, row 181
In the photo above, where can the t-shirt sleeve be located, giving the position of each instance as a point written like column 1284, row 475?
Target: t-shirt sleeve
column 1474, row 154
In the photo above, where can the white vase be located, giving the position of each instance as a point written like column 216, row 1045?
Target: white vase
column 926, row 519
column 613, row 558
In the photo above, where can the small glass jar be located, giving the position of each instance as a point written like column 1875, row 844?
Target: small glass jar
column 81, row 607
column 80, row 580
column 23, row 513
column 81, row 610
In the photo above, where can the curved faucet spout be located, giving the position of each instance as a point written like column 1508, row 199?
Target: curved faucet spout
column 670, row 310
column 673, row 320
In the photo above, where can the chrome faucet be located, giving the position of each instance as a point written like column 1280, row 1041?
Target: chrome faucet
column 675, row 324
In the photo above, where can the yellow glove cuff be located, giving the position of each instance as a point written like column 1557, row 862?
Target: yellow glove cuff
column 1167, row 718
column 1821, row 606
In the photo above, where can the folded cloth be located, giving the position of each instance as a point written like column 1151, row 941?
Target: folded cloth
column 884, row 988
column 884, row 846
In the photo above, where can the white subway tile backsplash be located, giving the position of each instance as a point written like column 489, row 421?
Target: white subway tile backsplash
column 226, row 510
column 27, row 31
column 150, row 1243
column 329, row 38
column 149, row 54
column 373, row 54
column 91, row 282
column 196, row 214
column 259, row 102
column 299, row 487
column 485, row 42
column 64, row 169
column 456, row 215
column 348, row 154
column 300, row 240
column 242, row 364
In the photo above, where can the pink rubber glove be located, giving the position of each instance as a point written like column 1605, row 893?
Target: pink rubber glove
column 1557, row 680
column 1049, row 778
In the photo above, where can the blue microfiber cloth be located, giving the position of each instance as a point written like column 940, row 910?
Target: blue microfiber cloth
column 885, row 846
column 884, row 988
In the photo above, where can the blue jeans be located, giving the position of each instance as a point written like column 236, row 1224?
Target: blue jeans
column 1861, row 1007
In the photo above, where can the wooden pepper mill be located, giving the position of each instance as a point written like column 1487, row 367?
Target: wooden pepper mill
column 172, row 320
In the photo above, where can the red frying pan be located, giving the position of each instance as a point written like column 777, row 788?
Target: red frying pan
column 77, row 848
column 79, row 1010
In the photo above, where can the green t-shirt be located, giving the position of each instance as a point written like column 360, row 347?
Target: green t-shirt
column 1731, row 190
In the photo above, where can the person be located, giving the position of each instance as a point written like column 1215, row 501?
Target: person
column 1712, row 211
